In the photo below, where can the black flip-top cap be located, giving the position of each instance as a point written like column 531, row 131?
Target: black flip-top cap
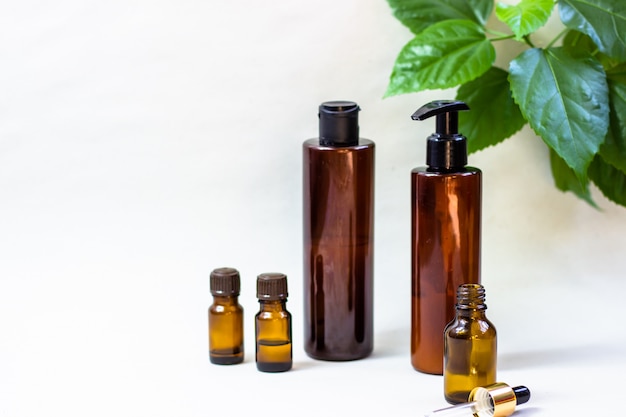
column 339, row 123
column 522, row 394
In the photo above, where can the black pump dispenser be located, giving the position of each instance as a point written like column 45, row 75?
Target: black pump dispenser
column 339, row 123
column 446, row 149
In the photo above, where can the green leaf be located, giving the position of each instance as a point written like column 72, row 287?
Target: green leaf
column 565, row 179
column 525, row 17
column 577, row 43
column 610, row 180
column 617, row 74
column 494, row 116
column 613, row 150
column 603, row 20
column 445, row 55
column 417, row 15
column 565, row 101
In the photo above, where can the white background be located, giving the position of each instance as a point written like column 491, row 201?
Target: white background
column 144, row 143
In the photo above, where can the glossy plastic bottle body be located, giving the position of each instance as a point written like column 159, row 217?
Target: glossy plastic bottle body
column 338, row 204
column 273, row 337
column 445, row 252
column 470, row 348
column 226, row 331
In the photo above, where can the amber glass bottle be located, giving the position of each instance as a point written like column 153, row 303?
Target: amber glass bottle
column 225, row 318
column 470, row 346
column 338, row 191
column 445, row 234
column 273, row 324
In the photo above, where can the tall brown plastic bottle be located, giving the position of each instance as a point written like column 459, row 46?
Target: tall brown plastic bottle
column 338, row 191
column 445, row 233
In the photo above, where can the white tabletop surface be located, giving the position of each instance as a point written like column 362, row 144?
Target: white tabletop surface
column 143, row 144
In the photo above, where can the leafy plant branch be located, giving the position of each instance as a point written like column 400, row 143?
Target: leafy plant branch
column 573, row 95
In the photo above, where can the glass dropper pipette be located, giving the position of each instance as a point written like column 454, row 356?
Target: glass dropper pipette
column 459, row 410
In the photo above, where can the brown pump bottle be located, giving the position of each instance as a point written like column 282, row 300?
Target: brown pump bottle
column 445, row 233
column 338, row 203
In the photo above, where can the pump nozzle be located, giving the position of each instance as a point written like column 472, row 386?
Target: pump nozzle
column 446, row 112
column 447, row 149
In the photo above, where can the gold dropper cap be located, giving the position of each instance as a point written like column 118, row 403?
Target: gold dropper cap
column 498, row 400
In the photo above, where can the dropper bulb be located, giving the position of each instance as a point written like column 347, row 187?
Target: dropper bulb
column 522, row 394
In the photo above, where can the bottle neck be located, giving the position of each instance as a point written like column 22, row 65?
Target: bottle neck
column 471, row 300
column 471, row 312
column 225, row 299
column 273, row 305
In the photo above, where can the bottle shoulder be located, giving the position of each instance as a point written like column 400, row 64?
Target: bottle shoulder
column 273, row 315
column 228, row 308
column 466, row 326
column 429, row 172
column 314, row 144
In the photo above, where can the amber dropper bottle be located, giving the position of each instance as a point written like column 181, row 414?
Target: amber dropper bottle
column 273, row 324
column 470, row 346
column 225, row 318
column 338, row 203
column 445, row 233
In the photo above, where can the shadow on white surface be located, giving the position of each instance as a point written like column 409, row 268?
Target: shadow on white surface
column 391, row 342
column 306, row 364
column 556, row 356
column 528, row 411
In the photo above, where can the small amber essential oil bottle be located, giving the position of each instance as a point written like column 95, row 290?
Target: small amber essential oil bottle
column 273, row 324
column 225, row 318
column 470, row 346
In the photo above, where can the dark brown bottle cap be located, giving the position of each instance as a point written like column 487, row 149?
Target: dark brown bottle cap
column 271, row 286
column 225, row 281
